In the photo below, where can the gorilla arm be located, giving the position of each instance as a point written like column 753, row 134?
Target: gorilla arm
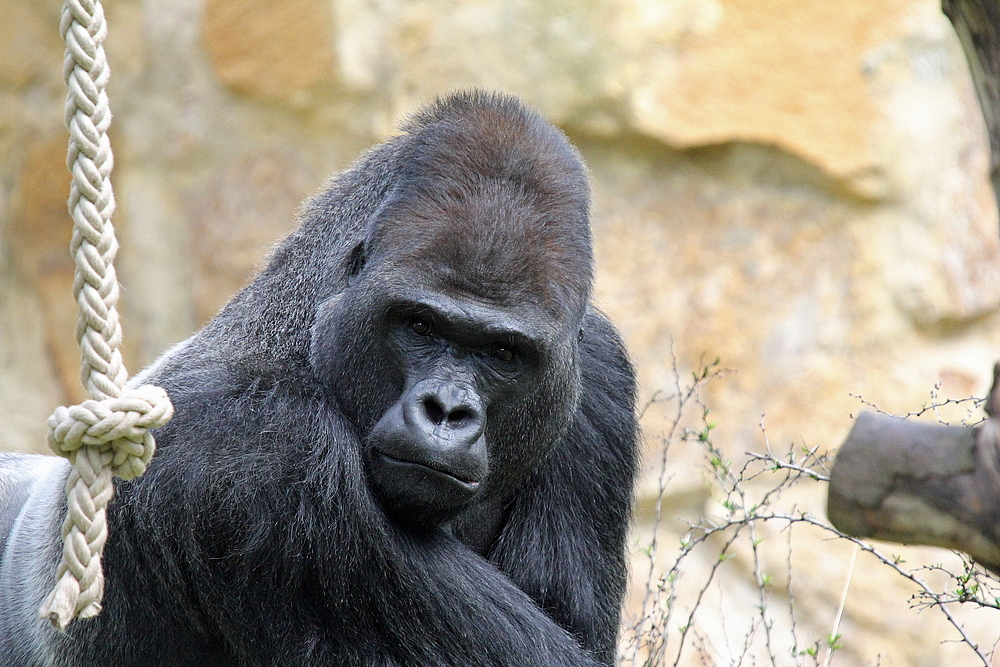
column 465, row 613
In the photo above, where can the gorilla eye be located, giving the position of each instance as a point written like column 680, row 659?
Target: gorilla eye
column 420, row 327
column 503, row 353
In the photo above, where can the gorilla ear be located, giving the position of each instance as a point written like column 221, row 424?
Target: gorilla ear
column 356, row 260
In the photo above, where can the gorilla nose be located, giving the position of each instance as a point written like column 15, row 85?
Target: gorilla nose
column 445, row 410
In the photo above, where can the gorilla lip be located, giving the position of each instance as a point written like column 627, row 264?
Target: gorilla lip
column 437, row 473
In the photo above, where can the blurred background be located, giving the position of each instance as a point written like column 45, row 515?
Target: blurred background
column 796, row 188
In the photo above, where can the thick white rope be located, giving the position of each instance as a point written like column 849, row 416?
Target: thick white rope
column 109, row 434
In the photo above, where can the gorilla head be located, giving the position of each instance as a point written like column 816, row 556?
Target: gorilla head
column 453, row 346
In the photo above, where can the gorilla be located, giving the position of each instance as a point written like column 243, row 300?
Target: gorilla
column 409, row 441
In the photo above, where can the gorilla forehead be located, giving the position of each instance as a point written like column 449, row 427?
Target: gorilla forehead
column 494, row 249
column 493, row 201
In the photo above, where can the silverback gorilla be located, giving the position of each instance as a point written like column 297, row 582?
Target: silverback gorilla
column 410, row 441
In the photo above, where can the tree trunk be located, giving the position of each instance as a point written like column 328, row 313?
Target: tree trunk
column 977, row 23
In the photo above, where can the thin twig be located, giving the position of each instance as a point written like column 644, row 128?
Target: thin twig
column 840, row 609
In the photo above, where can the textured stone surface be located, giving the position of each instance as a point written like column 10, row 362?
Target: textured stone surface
column 796, row 188
column 682, row 72
column 274, row 49
column 730, row 79
column 38, row 229
column 26, row 35
column 29, row 388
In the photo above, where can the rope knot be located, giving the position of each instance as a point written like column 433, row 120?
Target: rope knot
column 117, row 427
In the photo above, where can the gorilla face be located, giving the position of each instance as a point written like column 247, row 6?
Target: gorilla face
column 464, row 366
column 459, row 373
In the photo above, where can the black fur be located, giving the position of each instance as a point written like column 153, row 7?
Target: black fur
column 447, row 273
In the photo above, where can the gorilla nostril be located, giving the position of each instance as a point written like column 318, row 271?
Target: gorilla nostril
column 433, row 410
column 459, row 417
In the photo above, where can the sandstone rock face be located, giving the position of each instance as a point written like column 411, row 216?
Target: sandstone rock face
column 274, row 50
column 798, row 189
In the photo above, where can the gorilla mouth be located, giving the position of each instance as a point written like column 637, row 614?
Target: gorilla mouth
column 437, row 473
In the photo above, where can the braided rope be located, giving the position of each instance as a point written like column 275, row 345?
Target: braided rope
column 110, row 434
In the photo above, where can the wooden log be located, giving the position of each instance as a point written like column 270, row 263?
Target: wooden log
column 919, row 483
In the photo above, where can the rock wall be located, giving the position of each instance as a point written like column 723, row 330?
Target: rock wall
column 798, row 189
